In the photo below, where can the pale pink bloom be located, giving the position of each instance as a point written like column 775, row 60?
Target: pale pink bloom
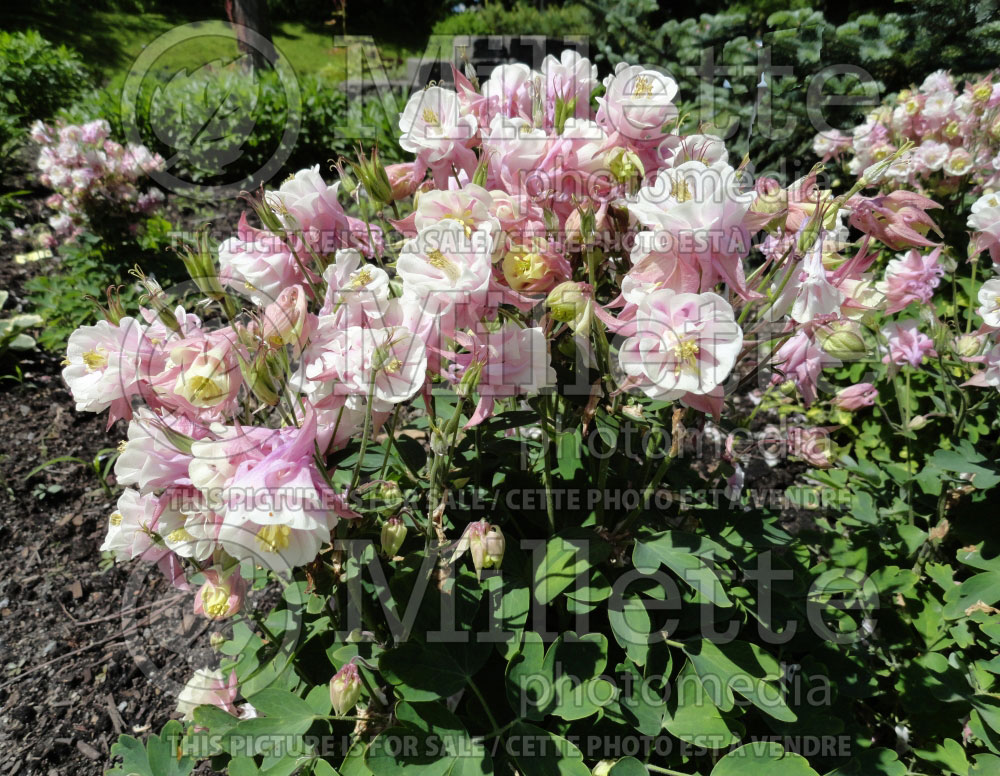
column 509, row 362
column 808, row 295
column 811, row 444
column 959, row 162
column 938, row 81
column 469, row 206
column 984, row 220
column 104, row 366
column 856, row 397
column 510, row 91
column 132, row 527
column 637, row 103
column 305, row 202
column 898, row 219
column 570, row 77
column 389, row 364
column 149, row 460
column 989, row 302
column 448, row 270
column 911, row 278
column 220, row 595
column 699, row 213
column 679, row 344
column 990, row 375
column 518, row 153
column 286, row 321
column 933, row 154
column 801, row 360
column 357, row 293
column 403, row 179
column 906, row 344
column 278, row 509
column 207, row 688
column 433, row 126
column 202, row 377
column 707, row 149
column 258, row 263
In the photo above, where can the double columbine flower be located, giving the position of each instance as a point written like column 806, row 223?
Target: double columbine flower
column 540, row 234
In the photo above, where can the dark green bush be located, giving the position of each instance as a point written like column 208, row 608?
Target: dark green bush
column 218, row 126
column 36, row 79
column 896, row 49
column 521, row 19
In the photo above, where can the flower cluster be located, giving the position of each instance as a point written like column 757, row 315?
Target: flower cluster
column 955, row 137
column 534, row 229
column 90, row 172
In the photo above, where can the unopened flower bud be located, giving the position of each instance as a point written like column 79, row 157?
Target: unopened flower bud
column 371, row 172
column 856, row 397
column 486, row 545
column 216, row 640
column 393, row 536
column 967, row 346
column 917, row 422
column 625, row 165
column 345, row 689
column 843, row 342
column 571, row 303
column 220, row 597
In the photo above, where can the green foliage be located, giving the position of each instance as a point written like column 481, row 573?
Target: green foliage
column 36, row 79
column 84, row 269
column 773, row 125
column 520, row 19
column 219, row 124
column 12, row 330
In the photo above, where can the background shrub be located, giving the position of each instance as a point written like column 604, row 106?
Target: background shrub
column 521, row 19
column 36, row 79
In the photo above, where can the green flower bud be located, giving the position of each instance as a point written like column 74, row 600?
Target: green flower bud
column 345, row 689
column 843, row 342
column 393, row 536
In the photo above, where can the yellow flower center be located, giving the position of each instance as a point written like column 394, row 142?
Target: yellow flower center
column 393, row 366
column 681, row 191
column 643, row 87
column 439, row 261
column 122, row 446
column 686, row 352
column 430, row 118
column 180, row 535
column 361, row 278
column 272, row 538
column 95, row 359
column 205, row 389
column 215, row 601
column 116, row 518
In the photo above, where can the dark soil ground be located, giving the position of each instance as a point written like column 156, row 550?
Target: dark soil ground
column 78, row 668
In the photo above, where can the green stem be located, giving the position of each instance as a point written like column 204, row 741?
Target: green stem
column 485, row 705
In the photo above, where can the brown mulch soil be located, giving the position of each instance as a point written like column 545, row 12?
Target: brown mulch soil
column 76, row 668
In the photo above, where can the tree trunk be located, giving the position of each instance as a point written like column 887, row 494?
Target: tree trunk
column 253, row 15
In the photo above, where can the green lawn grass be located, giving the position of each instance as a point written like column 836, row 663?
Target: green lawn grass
column 110, row 41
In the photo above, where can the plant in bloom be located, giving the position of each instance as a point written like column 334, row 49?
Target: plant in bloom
column 90, row 173
column 370, row 351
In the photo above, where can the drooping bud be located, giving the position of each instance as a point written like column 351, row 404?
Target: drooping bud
column 285, row 319
column 262, row 374
column 371, row 172
column 856, row 397
column 220, row 596
column 393, row 536
column 482, row 170
column 967, row 346
column 486, row 545
column 571, row 303
column 843, row 341
column 345, row 689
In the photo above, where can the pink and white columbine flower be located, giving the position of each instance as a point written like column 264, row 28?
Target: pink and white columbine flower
column 699, row 213
column 984, row 220
column 989, row 303
column 911, row 278
column 208, row 687
column 513, row 361
column 105, row 365
column 570, row 77
column 856, row 397
column 434, row 127
column 680, row 344
column 637, row 103
column 388, row 364
column 448, row 270
column 906, row 344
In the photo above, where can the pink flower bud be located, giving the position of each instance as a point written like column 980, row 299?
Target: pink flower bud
column 856, row 397
column 345, row 689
